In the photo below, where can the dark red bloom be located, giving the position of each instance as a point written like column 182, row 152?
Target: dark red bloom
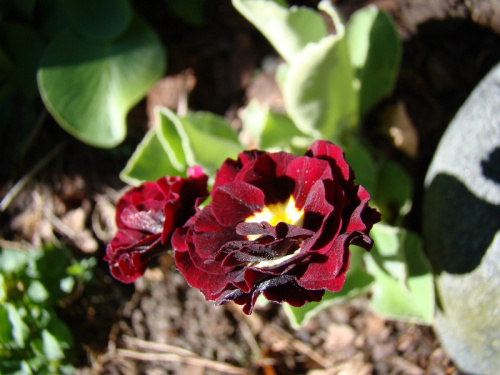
column 146, row 217
column 278, row 225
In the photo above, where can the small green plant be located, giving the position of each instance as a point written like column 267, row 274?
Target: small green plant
column 33, row 340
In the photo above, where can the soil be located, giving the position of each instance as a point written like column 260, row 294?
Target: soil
column 161, row 326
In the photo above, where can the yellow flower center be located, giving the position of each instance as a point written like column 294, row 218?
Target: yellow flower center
column 279, row 212
column 273, row 214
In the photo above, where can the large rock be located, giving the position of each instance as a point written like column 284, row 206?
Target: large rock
column 461, row 223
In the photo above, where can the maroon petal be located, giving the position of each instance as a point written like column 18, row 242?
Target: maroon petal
column 334, row 155
column 234, row 202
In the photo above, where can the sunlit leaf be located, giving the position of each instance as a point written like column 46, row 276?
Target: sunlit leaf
column 51, row 348
column 12, row 261
column 357, row 283
column 375, row 52
column 37, row 292
column 172, row 137
column 89, row 87
column 211, row 140
column 270, row 130
column 318, row 89
column 289, row 30
column 404, row 287
column 19, row 329
column 149, row 162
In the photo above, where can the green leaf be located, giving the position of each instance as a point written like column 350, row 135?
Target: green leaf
column 205, row 128
column 89, row 87
column 12, row 261
column 362, row 163
column 357, row 283
column 49, row 267
column 318, row 90
column 149, row 161
column 288, row 30
column 172, row 137
column 393, row 191
column 19, row 329
column 404, row 287
column 3, row 289
column 37, row 292
column 375, row 52
column 270, row 130
column 102, row 20
column 202, row 138
column 51, row 348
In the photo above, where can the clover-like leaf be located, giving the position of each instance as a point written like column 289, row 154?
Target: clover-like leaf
column 375, row 52
column 403, row 287
column 89, row 87
column 318, row 89
column 289, row 30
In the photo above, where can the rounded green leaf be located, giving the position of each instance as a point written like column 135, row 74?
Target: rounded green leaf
column 89, row 87
column 102, row 20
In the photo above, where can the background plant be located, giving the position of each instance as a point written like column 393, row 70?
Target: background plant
column 33, row 340
column 90, row 61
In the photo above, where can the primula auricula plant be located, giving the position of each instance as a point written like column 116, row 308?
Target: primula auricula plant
column 277, row 224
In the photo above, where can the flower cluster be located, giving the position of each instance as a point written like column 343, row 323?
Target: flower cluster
column 277, row 224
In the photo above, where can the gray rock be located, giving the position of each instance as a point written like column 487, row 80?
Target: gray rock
column 461, row 224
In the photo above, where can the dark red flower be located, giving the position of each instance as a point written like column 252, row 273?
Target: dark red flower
column 278, row 225
column 146, row 217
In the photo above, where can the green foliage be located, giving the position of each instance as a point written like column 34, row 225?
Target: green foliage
column 404, row 287
column 89, row 86
column 288, row 30
column 331, row 81
column 357, row 283
column 33, row 340
column 200, row 138
column 375, row 52
column 93, row 61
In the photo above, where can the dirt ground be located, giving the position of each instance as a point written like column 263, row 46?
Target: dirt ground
column 159, row 325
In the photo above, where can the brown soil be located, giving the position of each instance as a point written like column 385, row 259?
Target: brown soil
column 161, row 326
